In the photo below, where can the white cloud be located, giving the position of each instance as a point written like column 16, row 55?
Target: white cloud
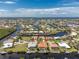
column 71, row 4
column 10, row 2
column 51, row 12
column 7, row 2
column 3, row 10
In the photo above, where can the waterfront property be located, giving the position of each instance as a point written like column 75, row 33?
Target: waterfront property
column 32, row 44
column 63, row 44
column 48, row 37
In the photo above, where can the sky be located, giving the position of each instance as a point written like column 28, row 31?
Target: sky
column 39, row 8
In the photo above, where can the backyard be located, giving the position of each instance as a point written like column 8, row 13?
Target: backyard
column 17, row 48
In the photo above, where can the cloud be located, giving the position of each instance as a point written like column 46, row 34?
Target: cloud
column 71, row 4
column 70, row 11
column 7, row 2
column 3, row 10
column 51, row 12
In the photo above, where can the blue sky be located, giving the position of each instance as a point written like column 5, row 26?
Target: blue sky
column 39, row 8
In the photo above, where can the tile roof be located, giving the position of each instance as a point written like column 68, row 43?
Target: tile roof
column 53, row 45
column 42, row 45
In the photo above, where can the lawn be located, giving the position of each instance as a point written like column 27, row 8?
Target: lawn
column 4, row 32
column 52, row 41
column 57, row 41
column 61, row 49
column 17, row 48
column 72, row 50
column 26, row 38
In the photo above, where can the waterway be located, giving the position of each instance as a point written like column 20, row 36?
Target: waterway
column 39, row 55
column 59, row 34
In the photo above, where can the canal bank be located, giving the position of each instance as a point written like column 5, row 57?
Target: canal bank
column 13, row 34
column 7, row 35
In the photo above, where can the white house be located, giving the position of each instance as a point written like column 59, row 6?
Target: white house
column 7, row 45
column 6, row 26
column 15, row 37
column 57, row 37
column 73, row 34
column 63, row 44
column 32, row 44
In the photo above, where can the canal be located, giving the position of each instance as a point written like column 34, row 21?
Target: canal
column 40, row 56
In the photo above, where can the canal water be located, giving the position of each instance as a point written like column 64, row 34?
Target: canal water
column 59, row 34
column 39, row 56
column 18, row 28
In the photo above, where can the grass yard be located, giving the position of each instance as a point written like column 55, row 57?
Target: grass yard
column 4, row 32
column 26, row 38
column 57, row 41
column 17, row 48
column 72, row 50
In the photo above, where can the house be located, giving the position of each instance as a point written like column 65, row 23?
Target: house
column 73, row 34
column 53, row 45
column 42, row 45
column 57, row 37
column 63, row 44
column 32, row 44
column 8, row 43
column 15, row 37
column 6, row 26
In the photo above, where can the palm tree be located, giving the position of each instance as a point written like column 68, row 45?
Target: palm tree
column 13, row 42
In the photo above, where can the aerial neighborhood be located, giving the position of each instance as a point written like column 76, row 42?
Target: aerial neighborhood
column 39, row 35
